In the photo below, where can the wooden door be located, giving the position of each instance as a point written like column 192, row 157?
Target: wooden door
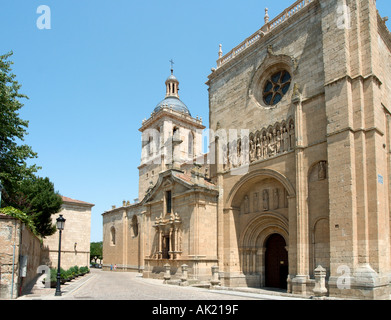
column 166, row 247
column 276, row 262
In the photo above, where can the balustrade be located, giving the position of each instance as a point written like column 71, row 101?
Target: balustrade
column 267, row 27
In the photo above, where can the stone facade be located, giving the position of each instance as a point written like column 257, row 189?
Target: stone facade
column 76, row 237
column 295, row 192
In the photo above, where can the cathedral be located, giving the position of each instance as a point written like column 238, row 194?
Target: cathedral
column 295, row 186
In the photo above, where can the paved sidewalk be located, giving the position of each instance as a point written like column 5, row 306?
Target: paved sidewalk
column 39, row 292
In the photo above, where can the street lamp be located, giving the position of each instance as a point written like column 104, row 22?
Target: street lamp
column 60, row 227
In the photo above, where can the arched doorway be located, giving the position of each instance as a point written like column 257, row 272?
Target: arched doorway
column 276, row 262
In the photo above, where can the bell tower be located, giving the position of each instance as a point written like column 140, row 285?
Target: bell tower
column 171, row 138
column 172, row 84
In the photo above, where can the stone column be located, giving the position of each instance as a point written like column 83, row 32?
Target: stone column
column 254, row 255
column 171, row 252
column 160, row 245
column 300, row 281
column 231, row 253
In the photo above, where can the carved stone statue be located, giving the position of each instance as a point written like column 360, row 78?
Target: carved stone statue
column 285, row 138
column 265, row 200
column 270, row 145
column 233, row 155
column 278, row 142
column 246, row 205
column 239, row 158
column 274, row 143
column 224, row 157
column 292, row 136
column 322, row 170
column 276, row 199
column 252, row 150
column 259, row 149
column 264, row 147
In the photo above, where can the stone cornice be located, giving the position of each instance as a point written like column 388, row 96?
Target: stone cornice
column 167, row 112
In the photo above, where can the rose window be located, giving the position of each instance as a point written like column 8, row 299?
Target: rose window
column 276, row 87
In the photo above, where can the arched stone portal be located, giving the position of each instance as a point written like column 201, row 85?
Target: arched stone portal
column 256, row 252
column 262, row 203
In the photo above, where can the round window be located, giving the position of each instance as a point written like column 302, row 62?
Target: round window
column 276, row 87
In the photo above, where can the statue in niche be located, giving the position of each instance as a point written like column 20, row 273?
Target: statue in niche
column 256, row 202
column 246, row 205
column 239, row 153
column 276, row 199
column 285, row 138
column 292, row 136
column 264, row 147
column 228, row 157
column 265, row 200
column 233, row 155
column 322, row 170
column 259, row 149
column 224, row 156
column 252, row 150
column 270, row 145
column 278, row 142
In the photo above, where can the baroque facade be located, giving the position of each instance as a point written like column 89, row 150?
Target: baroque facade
column 297, row 184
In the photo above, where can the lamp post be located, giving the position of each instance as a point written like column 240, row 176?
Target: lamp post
column 60, row 227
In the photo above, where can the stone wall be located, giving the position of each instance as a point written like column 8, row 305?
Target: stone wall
column 76, row 237
column 17, row 244
column 122, row 232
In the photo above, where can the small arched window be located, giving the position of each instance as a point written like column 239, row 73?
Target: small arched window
column 134, row 226
column 112, row 236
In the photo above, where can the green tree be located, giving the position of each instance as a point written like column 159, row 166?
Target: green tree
column 96, row 250
column 37, row 198
column 13, row 154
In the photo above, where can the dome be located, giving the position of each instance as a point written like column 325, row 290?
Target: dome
column 172, row 78
column 174, row 103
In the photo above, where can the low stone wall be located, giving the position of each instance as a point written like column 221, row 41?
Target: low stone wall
column 20, row 257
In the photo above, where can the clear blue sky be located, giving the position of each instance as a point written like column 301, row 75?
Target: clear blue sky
column 100, row 71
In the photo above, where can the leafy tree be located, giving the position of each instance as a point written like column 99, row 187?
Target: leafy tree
column 96, row 250
column 43, row 201
column 38, row 198
column 34, row 196
column 13, row 154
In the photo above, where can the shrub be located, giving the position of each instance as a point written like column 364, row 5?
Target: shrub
column 24, row 218
column 76, row 270
column 53, row 275
column 84, row 270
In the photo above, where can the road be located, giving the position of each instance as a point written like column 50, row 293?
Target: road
column 118, row 286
